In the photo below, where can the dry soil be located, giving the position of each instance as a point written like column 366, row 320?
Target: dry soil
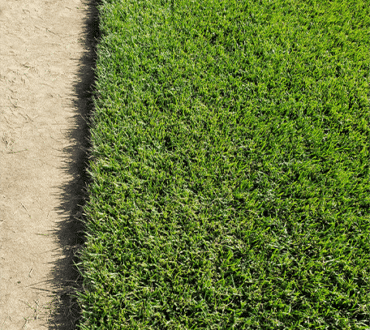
column 46, row 61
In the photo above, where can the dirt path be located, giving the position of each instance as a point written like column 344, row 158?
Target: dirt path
column 45, row 73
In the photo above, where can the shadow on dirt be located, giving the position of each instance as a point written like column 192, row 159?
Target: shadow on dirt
column 70, row 233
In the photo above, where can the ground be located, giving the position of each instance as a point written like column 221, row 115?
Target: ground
column 46, row 72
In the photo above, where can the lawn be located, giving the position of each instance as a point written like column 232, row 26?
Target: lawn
column 230, row 182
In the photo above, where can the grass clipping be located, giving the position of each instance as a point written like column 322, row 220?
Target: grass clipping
column 230, row 166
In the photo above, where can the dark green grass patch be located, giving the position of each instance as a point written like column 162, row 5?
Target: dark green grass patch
column 230, row 166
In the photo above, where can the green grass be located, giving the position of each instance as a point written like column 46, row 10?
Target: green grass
column 230, row 166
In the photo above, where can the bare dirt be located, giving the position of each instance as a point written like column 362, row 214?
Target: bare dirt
column 46, row 60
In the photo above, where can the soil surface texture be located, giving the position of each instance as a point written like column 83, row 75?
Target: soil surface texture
column 46, row 61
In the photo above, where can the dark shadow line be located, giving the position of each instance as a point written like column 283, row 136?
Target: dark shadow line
column 70, row 232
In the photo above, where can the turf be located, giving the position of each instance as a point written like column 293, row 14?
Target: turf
column 230, row 183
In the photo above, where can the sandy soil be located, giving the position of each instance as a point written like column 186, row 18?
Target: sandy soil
column 46, row 61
